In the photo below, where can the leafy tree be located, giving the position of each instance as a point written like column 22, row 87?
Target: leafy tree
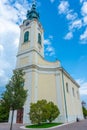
column 15, row 95
column 4, row 112
column 43, row 111
column 84, row 112
column 53, row 111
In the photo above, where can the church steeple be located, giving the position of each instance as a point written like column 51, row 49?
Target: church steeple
column 33, row 14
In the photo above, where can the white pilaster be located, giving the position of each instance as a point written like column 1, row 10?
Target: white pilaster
column 61, row 117
column 28, row 85
column 36, row 87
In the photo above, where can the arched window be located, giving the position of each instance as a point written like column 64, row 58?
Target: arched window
column 39, row 38
column 26, row 36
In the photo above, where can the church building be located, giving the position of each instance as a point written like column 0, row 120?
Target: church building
column 43, row 79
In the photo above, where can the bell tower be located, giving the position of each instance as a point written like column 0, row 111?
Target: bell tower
column 31, row 39
column 30, row 50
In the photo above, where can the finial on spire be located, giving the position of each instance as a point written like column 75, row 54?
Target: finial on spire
column 33, row 14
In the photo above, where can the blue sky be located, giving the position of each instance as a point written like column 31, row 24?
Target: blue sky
column 65, row 36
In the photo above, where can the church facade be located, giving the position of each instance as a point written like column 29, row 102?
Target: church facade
column 43, row 79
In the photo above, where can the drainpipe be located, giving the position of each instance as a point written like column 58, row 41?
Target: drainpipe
column 64, row 96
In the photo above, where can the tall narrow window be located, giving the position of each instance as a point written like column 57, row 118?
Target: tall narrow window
column 39, row 38
column 26, row 36
column 67, row 88
column 73, row 91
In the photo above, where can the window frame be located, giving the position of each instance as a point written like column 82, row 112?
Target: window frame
column 39, row 39
column 73, row 91
column 26, row 36
column 67, row 87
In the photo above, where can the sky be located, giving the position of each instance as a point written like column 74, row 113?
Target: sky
column 65, row 36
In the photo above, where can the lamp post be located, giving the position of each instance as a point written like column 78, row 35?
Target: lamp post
column 12, row 115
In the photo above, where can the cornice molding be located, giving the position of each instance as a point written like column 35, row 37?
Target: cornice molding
column 50, row 69
column 28, row 51
column 69, row 76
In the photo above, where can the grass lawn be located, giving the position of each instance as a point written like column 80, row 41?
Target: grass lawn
column 44, row 125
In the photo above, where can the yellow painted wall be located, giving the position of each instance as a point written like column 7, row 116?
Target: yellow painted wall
column 25, row 46
column 47, row 87
column 42, row 61
column 23, row 61
column 72, row 101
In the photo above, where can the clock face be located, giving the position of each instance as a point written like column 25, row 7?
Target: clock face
column 27, row 23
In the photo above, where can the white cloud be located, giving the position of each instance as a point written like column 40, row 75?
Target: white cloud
column 8, row 26
column 47, row 42
column 84, row 9
column 76, row 21
column 52, row 53
column 7, row 12
column 63, row 7
column 11, row 15
column 50, row 37
column 1, row 49
column 5, row 71
column 49, row 49
column 71, row 16
column 84, row 13
column 52, row 1
column 83, row 86
column 68, row 36
column 16, row 42
column 85, row 20
column 83, row 37
column 76, row 24
column 3, row 78
column 81, row 1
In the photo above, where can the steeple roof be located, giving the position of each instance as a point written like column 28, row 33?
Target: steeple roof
column 33, row 14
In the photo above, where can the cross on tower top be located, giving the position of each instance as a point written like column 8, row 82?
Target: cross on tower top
column 33, row 14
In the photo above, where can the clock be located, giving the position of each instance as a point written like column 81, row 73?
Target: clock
column 27, row 23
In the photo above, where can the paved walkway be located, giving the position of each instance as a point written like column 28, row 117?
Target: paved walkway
column 82, row 125
column 6, row 126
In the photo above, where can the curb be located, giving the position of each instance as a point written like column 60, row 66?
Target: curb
column 23, row 127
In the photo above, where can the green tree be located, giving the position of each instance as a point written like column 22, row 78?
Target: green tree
column 53, row 111
column 43, row 111
column 15, row 95
column 4, row 112
column 84, row 112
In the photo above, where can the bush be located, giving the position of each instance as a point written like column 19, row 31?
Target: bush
column 43, row 112
column 53, row 111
